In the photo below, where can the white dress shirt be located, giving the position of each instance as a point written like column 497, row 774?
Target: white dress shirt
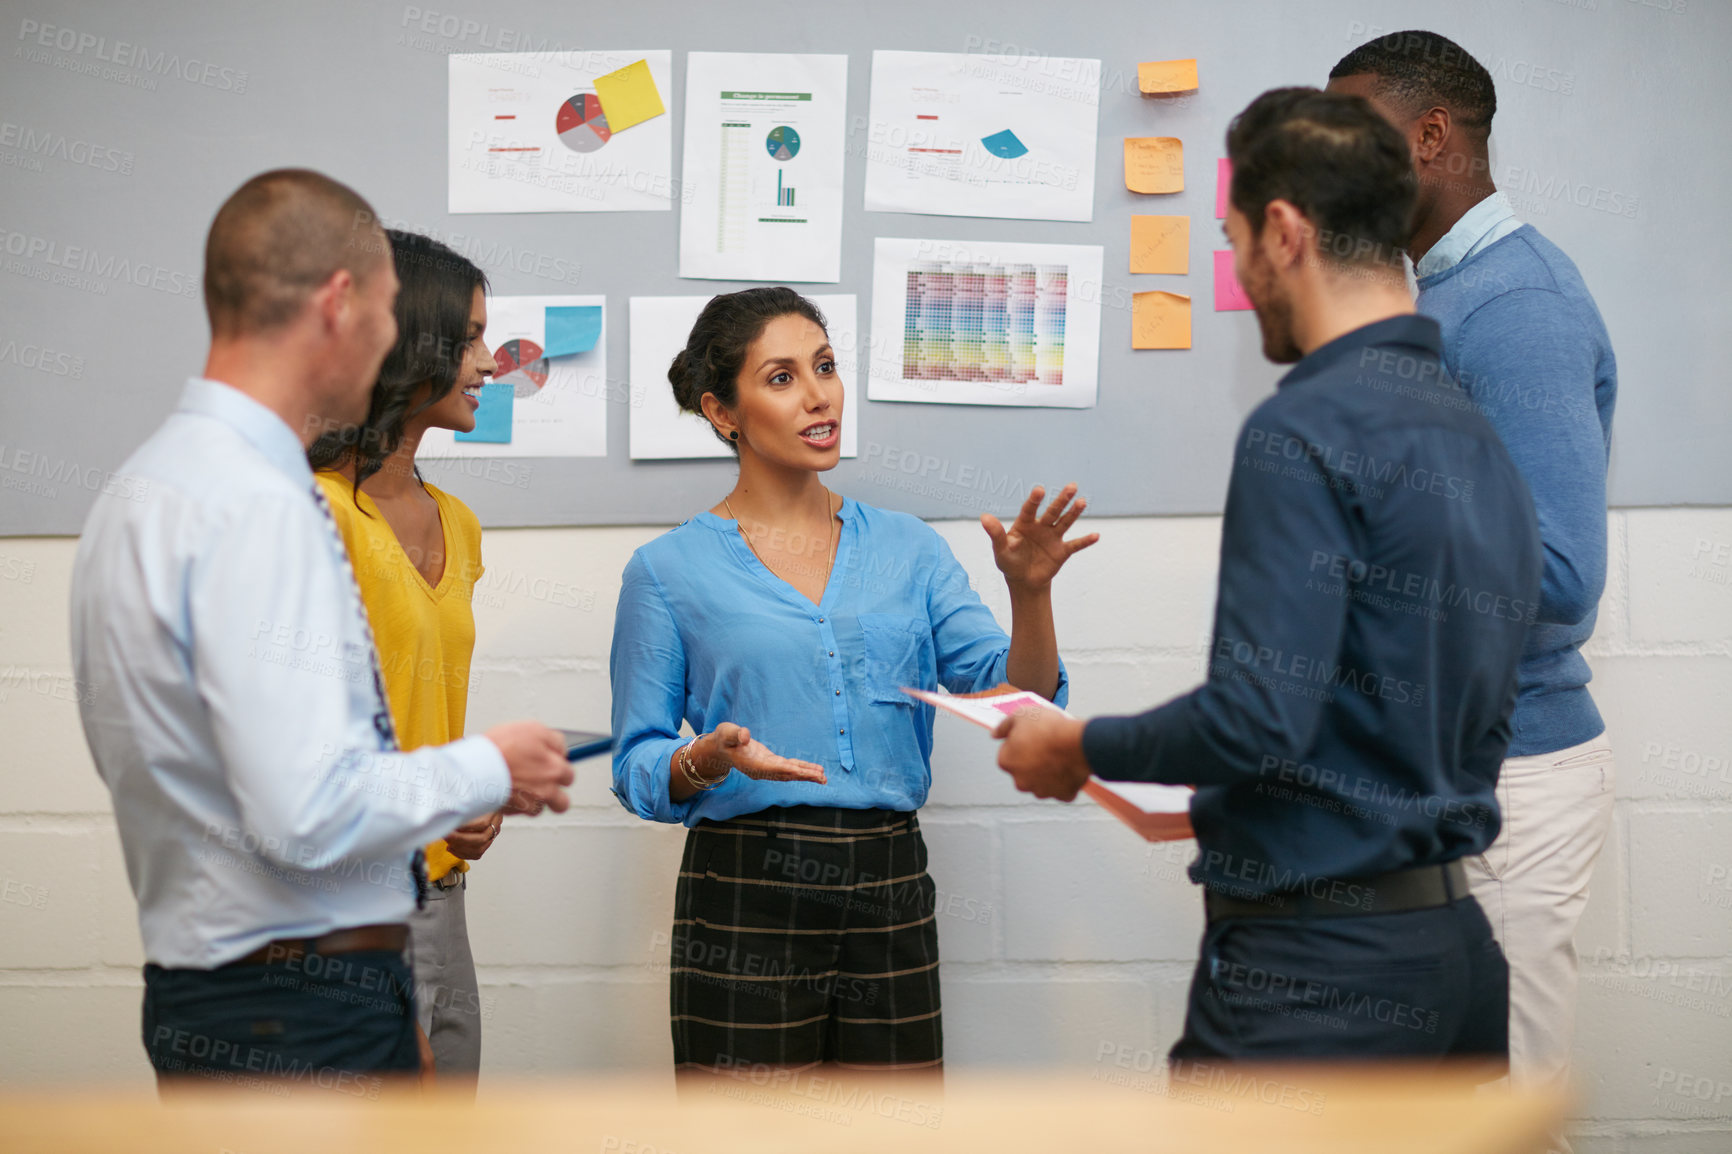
column 229, row 698
column 1480, row 227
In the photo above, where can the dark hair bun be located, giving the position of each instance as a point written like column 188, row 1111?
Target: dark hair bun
column 680, row 375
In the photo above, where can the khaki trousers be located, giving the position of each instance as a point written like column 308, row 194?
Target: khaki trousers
column 1532, row 883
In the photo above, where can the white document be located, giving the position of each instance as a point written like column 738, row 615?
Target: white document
column 762, row 178
column 958, row 134
column 527, row 134
column 1157, row 812
column 1150, row 797
column 987, row 711
column 559, row 404
column 984, row 323
column 659, row 328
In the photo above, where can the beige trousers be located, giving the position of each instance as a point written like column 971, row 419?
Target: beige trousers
column 1533, row 884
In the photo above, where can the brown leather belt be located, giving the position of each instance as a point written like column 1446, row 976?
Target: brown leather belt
column 349, row 941
column 1419, row 888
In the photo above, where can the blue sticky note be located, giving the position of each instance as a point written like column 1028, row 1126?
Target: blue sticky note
column 493, row 418
column 1004, row 144
column 572, row 329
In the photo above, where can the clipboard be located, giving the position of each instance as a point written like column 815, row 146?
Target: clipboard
column 580, row 743
column 1157, row 812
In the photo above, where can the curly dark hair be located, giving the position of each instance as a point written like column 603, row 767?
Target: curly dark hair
column 1419, row 70
column 433, row 305
column 716, row 350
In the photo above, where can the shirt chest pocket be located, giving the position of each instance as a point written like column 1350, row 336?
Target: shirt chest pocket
column 898, row 652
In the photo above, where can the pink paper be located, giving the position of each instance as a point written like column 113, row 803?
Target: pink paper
column 1223, row 184
column 1228, row 294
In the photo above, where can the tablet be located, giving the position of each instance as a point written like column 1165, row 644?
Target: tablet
column 580, row 743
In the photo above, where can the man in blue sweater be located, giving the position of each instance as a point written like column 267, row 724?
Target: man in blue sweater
column 1523, row 338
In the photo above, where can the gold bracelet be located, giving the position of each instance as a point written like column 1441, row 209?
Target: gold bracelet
column 693, row 779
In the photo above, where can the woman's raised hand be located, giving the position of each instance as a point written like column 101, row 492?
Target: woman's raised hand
column 733, row 745
column 1031, row 552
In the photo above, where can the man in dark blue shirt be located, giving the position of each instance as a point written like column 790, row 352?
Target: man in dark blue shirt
column 1380, row 564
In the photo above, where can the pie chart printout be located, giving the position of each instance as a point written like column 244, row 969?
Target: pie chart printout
column 581, row 125
column 783, row 142
column 520, row 364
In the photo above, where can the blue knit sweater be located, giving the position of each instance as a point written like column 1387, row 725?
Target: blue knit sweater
column 1522, row 336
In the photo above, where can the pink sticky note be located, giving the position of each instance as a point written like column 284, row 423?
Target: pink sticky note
column 1228, row 293
column 1223, row 185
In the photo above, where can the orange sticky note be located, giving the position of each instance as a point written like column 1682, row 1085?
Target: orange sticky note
column 1154, row 164
column 1160, row 321
column 1168, row 76
column 628, row 96
column 1161, row 244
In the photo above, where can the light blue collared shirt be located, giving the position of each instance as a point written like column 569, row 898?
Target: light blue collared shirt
column 1480, row 227
column 226, row 687
column 706, row 634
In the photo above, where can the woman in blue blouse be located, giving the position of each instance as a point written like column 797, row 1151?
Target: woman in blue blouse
column 782, row 624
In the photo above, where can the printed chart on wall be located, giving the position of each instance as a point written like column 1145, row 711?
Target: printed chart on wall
column 528, row 132
column 548, row 395
column 762, row 176
column 956, row 134
column 660, row 430
column 980, row 323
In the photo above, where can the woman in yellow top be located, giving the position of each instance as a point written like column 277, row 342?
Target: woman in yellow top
column 416, row 553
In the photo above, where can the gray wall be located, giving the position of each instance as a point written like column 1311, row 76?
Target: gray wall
column 1609, row 135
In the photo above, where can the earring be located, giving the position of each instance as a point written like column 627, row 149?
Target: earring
column 734, row 436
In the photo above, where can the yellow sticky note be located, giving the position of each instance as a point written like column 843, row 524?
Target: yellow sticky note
column 628, row 96
column 1168, row 76
column 1160, row 321
column 1154, row 164
column 1161, row 244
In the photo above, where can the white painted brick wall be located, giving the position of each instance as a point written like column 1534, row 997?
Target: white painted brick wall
column 1067, row 941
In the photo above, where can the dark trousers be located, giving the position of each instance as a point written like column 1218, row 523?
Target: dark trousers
column 325, row 1022
column 805, row 935
column 1417, row 984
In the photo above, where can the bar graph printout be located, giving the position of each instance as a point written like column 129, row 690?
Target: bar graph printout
column 762, row 179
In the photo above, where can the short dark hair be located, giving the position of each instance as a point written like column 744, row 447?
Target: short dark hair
column 276, row 239
column 716, row 349
column 434, row 301
column 1420, row 70
column 1334, row 159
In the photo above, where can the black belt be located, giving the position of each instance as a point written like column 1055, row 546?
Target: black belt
column 390, row 938
column 817, row 822
column 1419, row 888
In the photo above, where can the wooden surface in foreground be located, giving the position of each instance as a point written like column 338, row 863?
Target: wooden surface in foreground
column 1223, row 1110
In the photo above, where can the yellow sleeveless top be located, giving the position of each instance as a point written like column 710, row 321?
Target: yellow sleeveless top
column 425, row 633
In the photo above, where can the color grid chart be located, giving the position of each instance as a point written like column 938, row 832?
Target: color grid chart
column 985, row 322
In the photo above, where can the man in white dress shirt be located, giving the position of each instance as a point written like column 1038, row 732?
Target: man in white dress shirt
column 271, row 828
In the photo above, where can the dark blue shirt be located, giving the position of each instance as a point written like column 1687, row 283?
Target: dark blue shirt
column 1380, row 565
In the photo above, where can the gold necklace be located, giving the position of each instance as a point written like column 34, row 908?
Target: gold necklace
column 829, row 540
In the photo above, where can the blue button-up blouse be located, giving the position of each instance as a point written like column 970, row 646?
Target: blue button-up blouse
column 706, row 634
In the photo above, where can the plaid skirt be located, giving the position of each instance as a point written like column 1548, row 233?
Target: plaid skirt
column 805, row 935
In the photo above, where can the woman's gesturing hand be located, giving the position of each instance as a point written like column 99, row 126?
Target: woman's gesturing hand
column 1031, row 552
column 733, row 746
